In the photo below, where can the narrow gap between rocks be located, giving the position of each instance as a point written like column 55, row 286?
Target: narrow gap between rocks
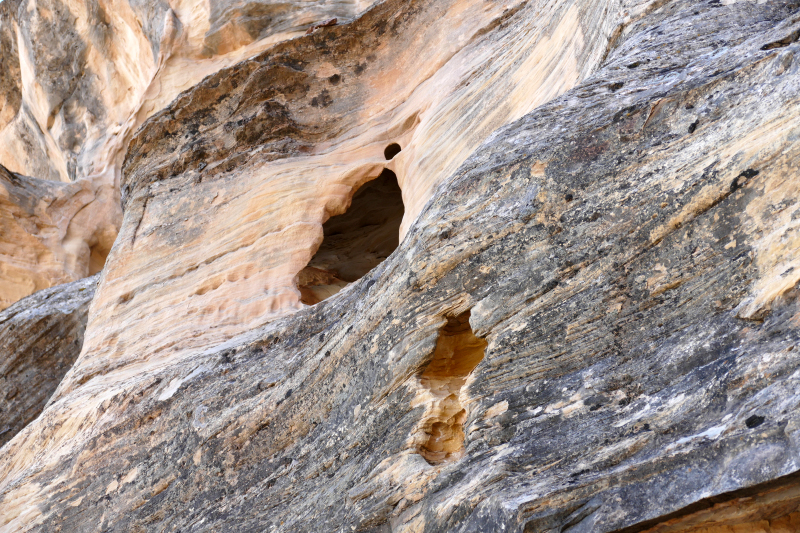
column 440, row 436
column 356, row 241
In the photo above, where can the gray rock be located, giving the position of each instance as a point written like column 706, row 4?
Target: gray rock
column 624, row 251
column 40, row 338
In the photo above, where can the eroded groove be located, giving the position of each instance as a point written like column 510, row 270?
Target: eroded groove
column 771, row 507
column 440, row 436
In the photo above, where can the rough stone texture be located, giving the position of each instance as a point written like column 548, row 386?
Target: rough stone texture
column 40, row 338
column 81, row 76
column 590, row 324
column 78, row 78
column 227, row 190
column 355, row 242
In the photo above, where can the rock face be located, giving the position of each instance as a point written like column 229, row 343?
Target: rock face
column 590, row 323
column 78, row 78
column 355, row 242
column 51, row 232
column 40, row 338
column 252, row 162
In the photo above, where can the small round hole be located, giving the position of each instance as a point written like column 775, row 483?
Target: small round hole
column 392, row 150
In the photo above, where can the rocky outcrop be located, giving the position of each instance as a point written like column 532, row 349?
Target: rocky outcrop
column 226, row 191
column 590, row 322
column 40, row 338
column 78, row 78
column 81, row 76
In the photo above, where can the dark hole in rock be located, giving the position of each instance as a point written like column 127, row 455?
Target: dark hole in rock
column 97, row 260
column 754, row 421
column 356, row 241
column 440, row 435
column 786, row 41
column 742, row 178
column 392, row 150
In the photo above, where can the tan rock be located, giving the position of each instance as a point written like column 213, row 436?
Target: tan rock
column 269, row 149
column 52, row 232
column 79, row 78
column 563, row 340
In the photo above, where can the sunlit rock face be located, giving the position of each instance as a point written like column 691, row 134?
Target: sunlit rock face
column 227, row 189
column 51, row 232
column 81, row 76
column 444, row 266
column 78, row 78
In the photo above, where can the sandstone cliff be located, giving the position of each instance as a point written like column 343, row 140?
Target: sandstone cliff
column 78, row 78
column 435, row 266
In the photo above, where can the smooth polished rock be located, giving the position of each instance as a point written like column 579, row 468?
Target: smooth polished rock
column 51, row 232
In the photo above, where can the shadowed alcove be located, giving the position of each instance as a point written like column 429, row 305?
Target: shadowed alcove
column 440, row 435
column 356, row 241
column 392, row 150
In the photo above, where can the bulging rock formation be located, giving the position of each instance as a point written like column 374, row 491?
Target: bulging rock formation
column 78, row 78
column 51, row 232
column 445, row 266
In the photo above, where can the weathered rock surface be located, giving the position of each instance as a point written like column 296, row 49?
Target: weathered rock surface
column 51, row 232
column 81, row 76
column 227, row 189
column 40, row 338
column 590, row 323
column 78, row 78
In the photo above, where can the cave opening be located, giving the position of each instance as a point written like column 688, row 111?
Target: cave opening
column 392, row 150
column 355, row 242
column 440, row 436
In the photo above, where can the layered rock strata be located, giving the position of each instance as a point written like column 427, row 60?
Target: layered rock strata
column 226, row 191
column 40, row 338
column 590, row 323
column 78, row 78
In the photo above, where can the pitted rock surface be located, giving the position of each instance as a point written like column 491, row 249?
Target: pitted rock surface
column 590, row 323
